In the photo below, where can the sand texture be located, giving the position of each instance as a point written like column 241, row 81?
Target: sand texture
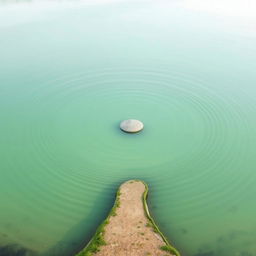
column 129, row 232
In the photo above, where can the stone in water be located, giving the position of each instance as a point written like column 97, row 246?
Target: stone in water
column 131, row 125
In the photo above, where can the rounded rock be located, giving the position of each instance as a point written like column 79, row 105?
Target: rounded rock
column 131, row 125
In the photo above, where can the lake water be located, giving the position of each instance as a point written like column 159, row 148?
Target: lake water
column 70, row 71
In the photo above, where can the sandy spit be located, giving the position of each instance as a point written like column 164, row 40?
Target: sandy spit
column 129, row 232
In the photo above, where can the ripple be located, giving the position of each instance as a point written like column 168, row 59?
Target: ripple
column 71, row 94
column 76, row 149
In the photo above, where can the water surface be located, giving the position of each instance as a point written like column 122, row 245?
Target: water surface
column 70, row 71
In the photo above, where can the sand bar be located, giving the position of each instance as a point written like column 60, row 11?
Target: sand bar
column 129, row 230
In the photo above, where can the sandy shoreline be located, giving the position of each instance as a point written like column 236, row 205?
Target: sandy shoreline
column 129, row 230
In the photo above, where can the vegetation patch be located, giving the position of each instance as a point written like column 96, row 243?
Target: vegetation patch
column 149, row 225
column 167, row 248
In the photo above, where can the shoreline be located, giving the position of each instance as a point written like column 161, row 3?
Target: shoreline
column 128, row 217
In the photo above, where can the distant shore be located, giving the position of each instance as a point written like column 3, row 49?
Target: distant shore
column 129, row 229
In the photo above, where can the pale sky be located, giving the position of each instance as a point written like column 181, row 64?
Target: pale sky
column 237, row 8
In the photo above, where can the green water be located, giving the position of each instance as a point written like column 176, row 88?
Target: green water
column 71, row 71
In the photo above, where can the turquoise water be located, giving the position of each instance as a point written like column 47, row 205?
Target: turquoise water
column 70, row 71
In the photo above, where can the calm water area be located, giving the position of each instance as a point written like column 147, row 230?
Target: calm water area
column 70, row 71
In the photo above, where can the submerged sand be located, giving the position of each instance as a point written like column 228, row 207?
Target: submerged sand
column 129, row 232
